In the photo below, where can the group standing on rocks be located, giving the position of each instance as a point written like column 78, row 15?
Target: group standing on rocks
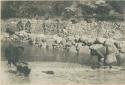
column 27, row 26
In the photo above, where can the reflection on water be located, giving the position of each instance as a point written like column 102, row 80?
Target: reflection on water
column 33, row 53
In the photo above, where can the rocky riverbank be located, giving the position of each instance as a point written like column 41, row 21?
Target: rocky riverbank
column 76, row 46
column 76, row 39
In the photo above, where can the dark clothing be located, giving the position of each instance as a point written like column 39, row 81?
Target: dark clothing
column 23, row 69
column 13, row 61
column 10, row 31
column 28, row 26
column 12, row 54
column 20, row 25
column 101, row 53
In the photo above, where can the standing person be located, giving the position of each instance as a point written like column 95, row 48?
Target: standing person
column 44, row 27
column 28, row 27
column 20, row 25
column 13, row 54
column 58, row 25
column 19, row 53
column 10, row 54
column 100, row 53
column 111, row 53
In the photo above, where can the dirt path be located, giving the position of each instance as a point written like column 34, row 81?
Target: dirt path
column 64, row 74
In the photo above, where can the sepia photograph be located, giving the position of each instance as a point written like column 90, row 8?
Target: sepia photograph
column 62, row 42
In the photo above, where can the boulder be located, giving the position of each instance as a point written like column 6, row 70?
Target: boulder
column 84, row 55
column 22, row 33
column 69, row 43
column 82, row 38
column 98, row 47
column 120, row 45
column 63, row 42
column 49, row 44
column 70, row 38
column 120, row 59
column 73, row 49
column 79, row 45
column 72, row 54
column 57, row 38
column 84, row 50
column 122, row 50
column 93, row 61
column 15, row 37
column 65, row 31
column 77, row 38
column 89, row 41
column 73, row 43
column 100, row 40
column 44, row 45
column 111, row 46
column 112, row 49
column 109, row 42
column 111, row 58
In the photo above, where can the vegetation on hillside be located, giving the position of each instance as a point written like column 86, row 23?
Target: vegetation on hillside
column 99, row 9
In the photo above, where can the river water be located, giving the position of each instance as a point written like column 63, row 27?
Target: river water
column 64, row 74
column 34, row 53
column 69, row 68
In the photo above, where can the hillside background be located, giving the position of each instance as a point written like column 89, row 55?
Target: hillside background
column 99, row 9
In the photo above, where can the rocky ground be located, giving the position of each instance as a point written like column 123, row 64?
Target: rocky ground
column 64, row 74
